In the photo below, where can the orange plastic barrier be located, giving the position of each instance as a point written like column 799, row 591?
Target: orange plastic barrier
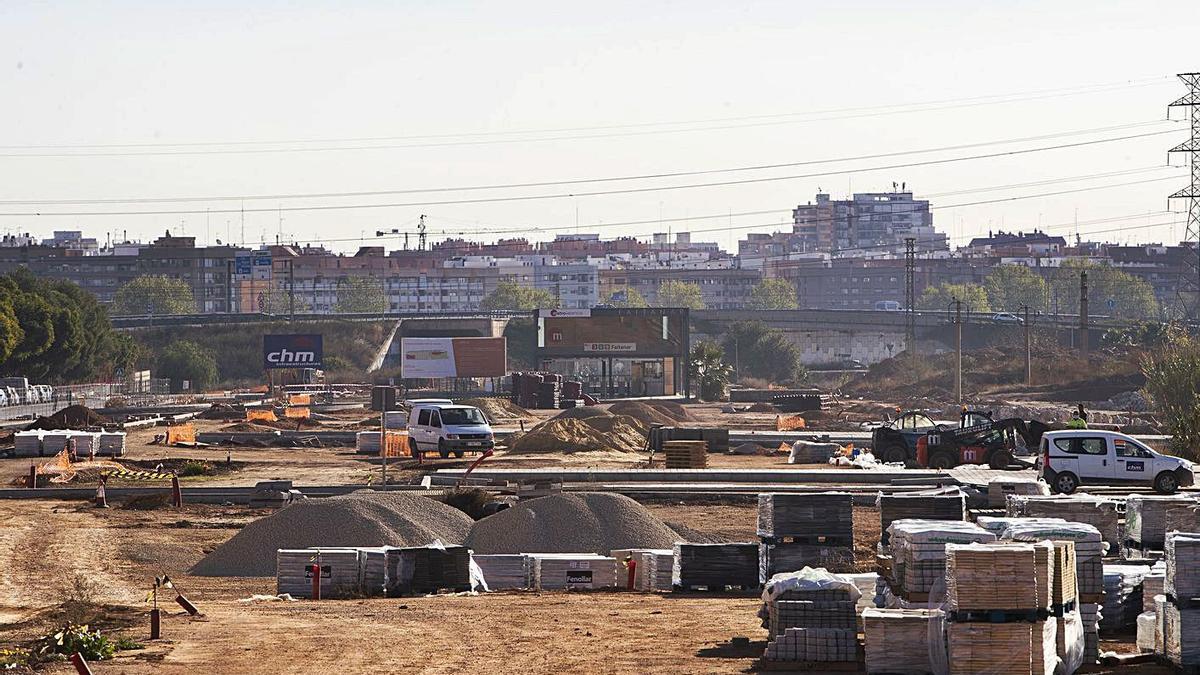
column 300, row 399
column 296, row 413
column 396, row 444
column 790, row 423
column 263, row 415
column 181, row 433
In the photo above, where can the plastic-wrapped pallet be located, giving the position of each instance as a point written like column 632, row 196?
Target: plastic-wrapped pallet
column 427, row 569
column 54, row 443
column 813, row 645
column 85, row 442
column 112, row 444
column 27, row 444
column 643, row 580
column 919, row 550
column 980, row 577
column 950, row 504
column 367, row 443
column 783, row 557
column 998, row 489
column 373, row 572
column 897, row 640
column 1014, row 647
column 1147, row 624
column 1146, row 518
column 569, row 571
column 1103, row 513
column 503, row 571
column 1181, row 633
column 826, row 515
column 810, row 598
column 866, row 583
column 715, row 566
column 1181, row 620
column 1089, row 549
column 1185, row 519
column 1183, row 565
column 998, row 524
column 340, row 571
column 1069, row 640
column 1122, row 596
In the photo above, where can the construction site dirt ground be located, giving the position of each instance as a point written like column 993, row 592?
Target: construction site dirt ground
column 46, row 545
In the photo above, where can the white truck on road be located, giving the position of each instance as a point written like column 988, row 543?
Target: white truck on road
column 1077, row 457
column 448, row 429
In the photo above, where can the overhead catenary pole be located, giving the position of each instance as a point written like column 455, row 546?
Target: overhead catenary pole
column 1083, row 313
column 958, row 392
column 910, row 317
column 383, row 454
column 1028, row 348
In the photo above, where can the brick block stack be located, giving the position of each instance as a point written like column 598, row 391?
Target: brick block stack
column 1000, row 601
column 715, row 566
column 940, row 505
column 897, row 640
column 1181, row 611
column 813, row 646
column 812, row 609
column 998, row 489
column 581, row 571
column 918, row 550
column 812, row 619
column 1103, row 513
column 1146, row 518
column 805, row 530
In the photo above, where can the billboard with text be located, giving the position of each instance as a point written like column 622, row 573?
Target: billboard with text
column 424, row 357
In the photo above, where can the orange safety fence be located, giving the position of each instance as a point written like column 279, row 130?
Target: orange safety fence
column 260, row 415
column 396, row 444
column 296, row 413
column 181, row 433
column 789, row 423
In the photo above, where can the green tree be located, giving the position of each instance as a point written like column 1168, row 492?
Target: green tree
column 11, row 334
column 672, row 293
column 513, row 296
column 521, row 336
column 1173, row 383
column 939, row 297
column 357, row 295
column 774, row 293
column 708, row 369
column 1010, row 286
column 763, row 352
column 1111, row 292
column 625, row 297
column 187, row 360
column 154, row 294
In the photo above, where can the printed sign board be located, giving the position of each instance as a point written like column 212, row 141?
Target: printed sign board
column 567, row 313
column 610, row 347
column 422, row 357
column 293, row 351
column 242, row 264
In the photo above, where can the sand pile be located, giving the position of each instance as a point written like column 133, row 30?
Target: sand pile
column 498, row 408
column 582, row 413
column 600, row 433
column 223, row 411
column 652, row 412
column 70, row 417
column 595, row 522
column 363, row 518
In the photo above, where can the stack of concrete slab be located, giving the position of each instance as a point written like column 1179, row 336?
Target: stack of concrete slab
column 572, row 571
column 805, row 530
column 112, row 444
column 715, row 566
column 54, row 442
column 898, row 640
column 503, row 571
column 1181, row 609
column 999, row 577
column 1153, row 584
column 653, row 567
column 27, row 444
column 1012, row 647
column 999, row 489
column 340, row 572
column 1146, row 518
column 931, row 505
column 1103, row 513
column 998, row 524
column 1122, row 596
column 812, row 647
column 918, row 549
column 85, row 442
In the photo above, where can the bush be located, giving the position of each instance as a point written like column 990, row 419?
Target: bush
column 1173, row 380
column 187, row 360
column 194, row 467
column 91, row 645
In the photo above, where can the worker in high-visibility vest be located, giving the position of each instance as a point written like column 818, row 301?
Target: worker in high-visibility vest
column 1079, row 421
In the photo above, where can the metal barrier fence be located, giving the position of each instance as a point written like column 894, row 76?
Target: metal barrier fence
column 92, row 395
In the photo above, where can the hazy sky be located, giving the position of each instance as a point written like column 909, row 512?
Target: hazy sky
column 451, row 82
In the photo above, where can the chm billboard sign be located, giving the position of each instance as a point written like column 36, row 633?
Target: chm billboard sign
column 293, row 351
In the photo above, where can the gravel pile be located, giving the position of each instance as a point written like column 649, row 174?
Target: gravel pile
column 652, row 412
column 363, row 518
column 601, row 433
column 498, row 408
column 584, row 522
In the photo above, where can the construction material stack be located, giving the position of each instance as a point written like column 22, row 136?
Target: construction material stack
column 1103, row 513
column 998, row 524
column 1122, row 597
column 427, row 569
column 27, row 444
column 805, row 530
column 503, row 571
column 652, row 571
column 686, row 454
column 1146, row 518
column 340, row 572
column 1089, row 570
column 572, row 571
column 897, row 640
column 112, row 444
column 549, row 391
column 367, row 442
column 811, row 618
column 1181, row 609
column 999, row 489
column 1000, row 601
column 918, row 551
column 715, row 567
column 935, row 505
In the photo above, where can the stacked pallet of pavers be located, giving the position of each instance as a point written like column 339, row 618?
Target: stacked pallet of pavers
column 1089, row 570
column 1181, row 611
column 1103, row 513
column 998, row 524
column 927, row 505
column 918, row 550
column 572, row 571
column 805, row 530
column 1122, row 597
column 1147, row 517
column 897, row 640
column 999, row 601
column 652, row 567
column 812, row 618
column 427, row 569
column 340, row 572
column 715, row 567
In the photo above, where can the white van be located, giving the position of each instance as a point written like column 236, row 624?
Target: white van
column 447, row 429
column 1077, row 457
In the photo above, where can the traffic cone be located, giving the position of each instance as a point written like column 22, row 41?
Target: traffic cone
column 101, row 498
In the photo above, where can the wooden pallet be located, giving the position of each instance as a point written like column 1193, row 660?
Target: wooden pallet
column 812, row 666
column 685, row 454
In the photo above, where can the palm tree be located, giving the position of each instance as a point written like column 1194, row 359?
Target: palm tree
column 707, row 367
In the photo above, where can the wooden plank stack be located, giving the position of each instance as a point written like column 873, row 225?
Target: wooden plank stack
column 1146, row 518
column 940, row 505
column 715, row 567
column 686, row 454
column 503, row 571
column 1181, row 611
column 897, row 640
column 1103, row 513
column 805, row 530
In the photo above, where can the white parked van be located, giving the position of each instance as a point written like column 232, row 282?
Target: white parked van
column 447, row 429
column 1077, row 457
